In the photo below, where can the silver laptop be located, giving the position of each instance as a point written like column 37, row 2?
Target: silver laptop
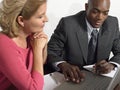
column 92, row 82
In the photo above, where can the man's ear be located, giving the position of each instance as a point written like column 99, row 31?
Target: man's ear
column 20, row 21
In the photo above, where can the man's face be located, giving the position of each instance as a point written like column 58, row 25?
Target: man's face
column 97, row 12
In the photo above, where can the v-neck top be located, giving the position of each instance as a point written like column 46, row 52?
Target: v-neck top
column 16, row 67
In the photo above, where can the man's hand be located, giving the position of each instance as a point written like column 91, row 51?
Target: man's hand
column 103, row 67
column 117, row 87
column 71, row 72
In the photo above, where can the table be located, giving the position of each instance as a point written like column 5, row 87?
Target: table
column 53, row 80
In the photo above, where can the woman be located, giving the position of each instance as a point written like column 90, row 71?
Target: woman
column 23, row 44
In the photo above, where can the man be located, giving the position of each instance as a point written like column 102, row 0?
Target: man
column 69, row 47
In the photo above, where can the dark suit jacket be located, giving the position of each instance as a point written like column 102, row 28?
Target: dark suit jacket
column 70, row 40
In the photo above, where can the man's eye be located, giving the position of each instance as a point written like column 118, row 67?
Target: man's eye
column 95, row 11
column 105, row 13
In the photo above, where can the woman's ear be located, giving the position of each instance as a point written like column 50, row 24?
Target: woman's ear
column 20, row 21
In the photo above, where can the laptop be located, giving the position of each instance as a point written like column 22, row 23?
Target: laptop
column 92, row 82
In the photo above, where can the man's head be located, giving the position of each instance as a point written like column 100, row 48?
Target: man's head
column 97, row 11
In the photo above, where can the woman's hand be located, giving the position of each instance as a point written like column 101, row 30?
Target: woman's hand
column 39, row 44
column 39, row 40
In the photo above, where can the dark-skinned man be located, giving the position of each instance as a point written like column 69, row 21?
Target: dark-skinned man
column 74, row 45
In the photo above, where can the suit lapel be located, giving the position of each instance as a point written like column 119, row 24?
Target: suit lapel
column 83, row 42
column 82, row 35
column 102, row 42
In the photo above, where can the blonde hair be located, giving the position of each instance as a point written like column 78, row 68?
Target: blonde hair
column 11, row 9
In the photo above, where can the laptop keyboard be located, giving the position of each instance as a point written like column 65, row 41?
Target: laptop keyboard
column 91, row 82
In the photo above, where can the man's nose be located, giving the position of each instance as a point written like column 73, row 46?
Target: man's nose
column 100, row 16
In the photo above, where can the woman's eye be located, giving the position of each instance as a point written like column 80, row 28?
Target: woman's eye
column 40, row 16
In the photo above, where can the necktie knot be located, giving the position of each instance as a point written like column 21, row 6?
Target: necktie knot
column 94, row 33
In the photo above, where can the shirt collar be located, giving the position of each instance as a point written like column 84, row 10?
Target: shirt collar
column 90, row 28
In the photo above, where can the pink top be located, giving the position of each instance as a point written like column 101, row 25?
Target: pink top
column 15, row 67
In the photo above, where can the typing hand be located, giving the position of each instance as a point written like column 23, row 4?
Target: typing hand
column 103, row 67
column 71, row 72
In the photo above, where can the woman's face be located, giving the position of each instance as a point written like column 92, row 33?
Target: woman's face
column 37, row 22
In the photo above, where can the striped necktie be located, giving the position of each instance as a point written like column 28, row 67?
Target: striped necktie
column 91, row 59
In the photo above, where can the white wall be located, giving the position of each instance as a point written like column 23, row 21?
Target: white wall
column 60, row 8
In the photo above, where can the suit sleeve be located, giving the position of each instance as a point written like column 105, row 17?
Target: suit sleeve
column 116, row 45
column 57, row 43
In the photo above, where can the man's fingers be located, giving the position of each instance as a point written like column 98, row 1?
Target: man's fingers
column 72, row 75
column 100, row 63
column 105, row 64
column 81, row 75
column 66, row 76
column 104, row 67
column 71, row 72
column 76, row 74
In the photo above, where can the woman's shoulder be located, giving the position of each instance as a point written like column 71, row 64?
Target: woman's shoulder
column 4, row 38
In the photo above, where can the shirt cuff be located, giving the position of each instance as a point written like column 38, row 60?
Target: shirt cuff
column 56, row 65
